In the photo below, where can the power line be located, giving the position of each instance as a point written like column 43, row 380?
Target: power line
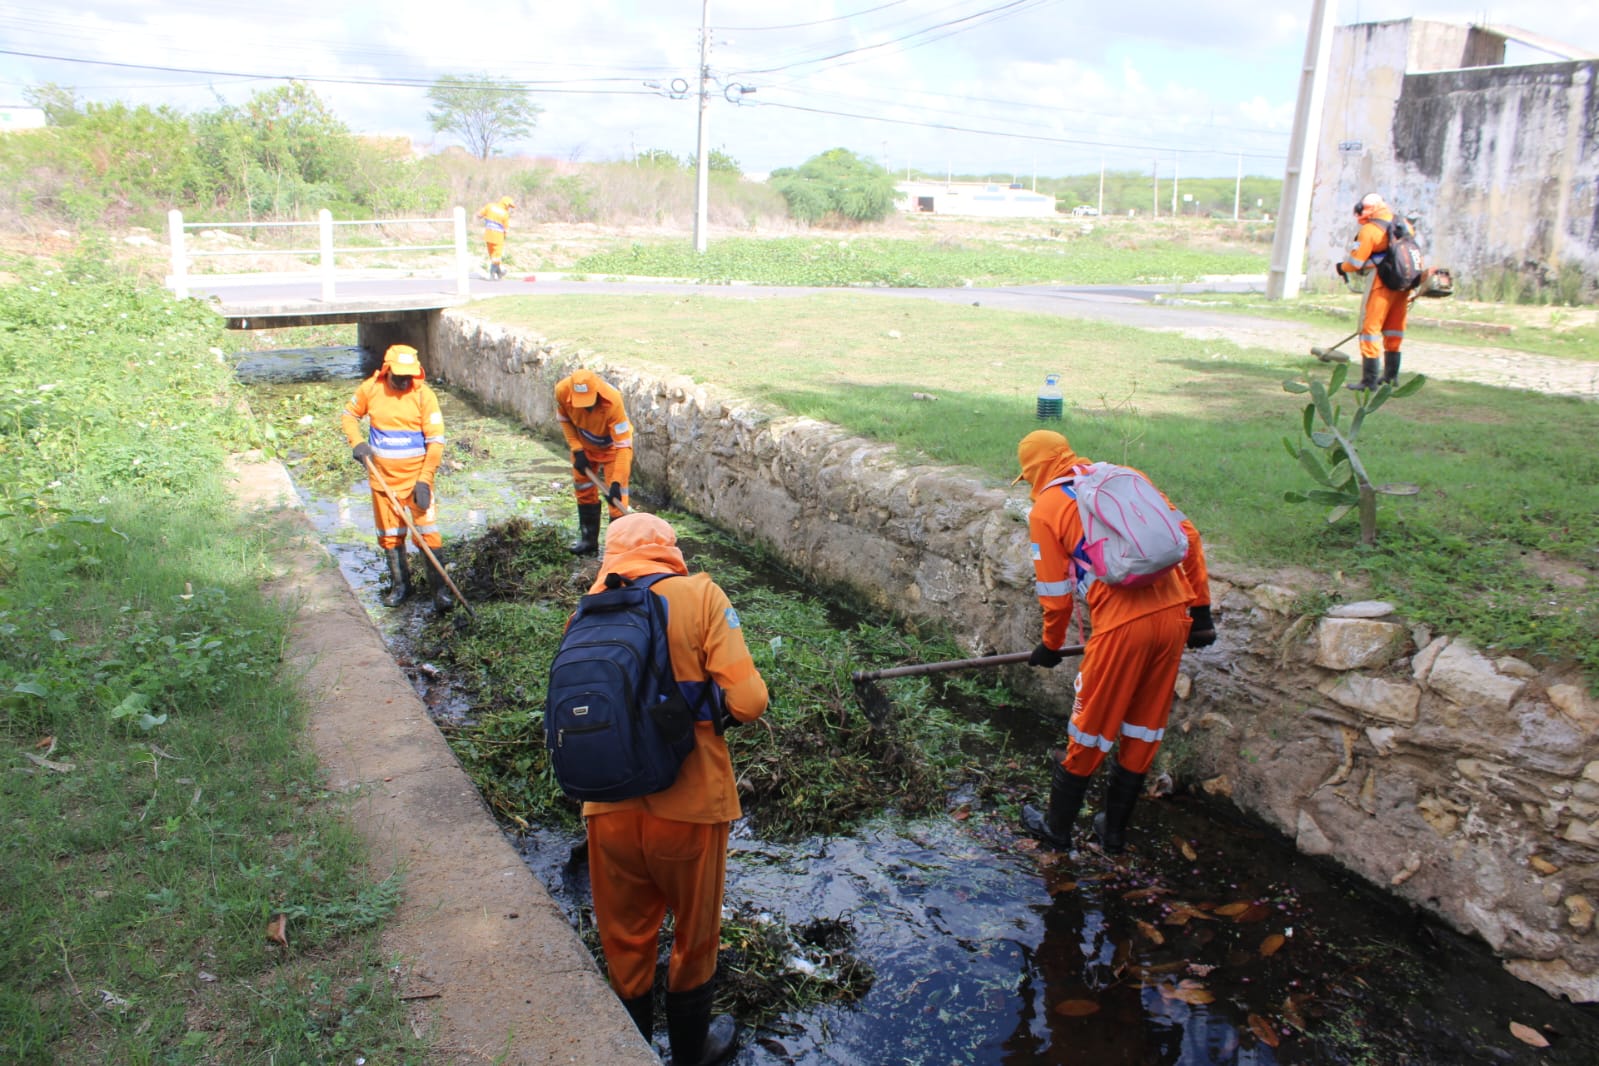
column 994, row 11
column 803, row 25
column 1145, row 148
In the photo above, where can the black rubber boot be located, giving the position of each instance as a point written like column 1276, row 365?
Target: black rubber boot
column 696, row 1038
column 1390, row 369
column 399, row 578
column 1066, row 792
column 1368, row 377
column 642, row 1010
column 588, row 524
column 1121, row 796
column 442, row 600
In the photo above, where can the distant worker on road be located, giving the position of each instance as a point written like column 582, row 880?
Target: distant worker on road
column 1383, row 311
column 404, row 441
column 597, row 431
column 496, row 218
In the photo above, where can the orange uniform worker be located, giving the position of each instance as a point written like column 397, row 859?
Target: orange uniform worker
column 594, row 423
column 1383, row 311
column 1124, row 685
column 405, row 442
column 496, row 218
column 668, row 850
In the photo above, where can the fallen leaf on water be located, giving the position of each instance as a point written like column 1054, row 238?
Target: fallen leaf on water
column 1264, row 1031
column 1291, row 1013
column 1151, row 933
column 1528, row 1035
column 278, row 929
column 1060, row 888
column 1270, row 945
column 1143, row 893
column 1077, row 1008
column 1186, row 848
column 1234, row 909
column 1188, row 991
column 961, row 815
column 1256, row 912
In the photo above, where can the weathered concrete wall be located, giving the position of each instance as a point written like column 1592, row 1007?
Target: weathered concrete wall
column 1464, row 783
column 1501, row 163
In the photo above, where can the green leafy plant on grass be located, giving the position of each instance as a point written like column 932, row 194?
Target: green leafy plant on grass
column 1331, row 459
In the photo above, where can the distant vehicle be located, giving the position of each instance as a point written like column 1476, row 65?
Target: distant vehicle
column 1085, row 209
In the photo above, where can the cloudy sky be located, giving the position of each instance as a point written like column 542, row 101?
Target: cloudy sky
column 999, row 87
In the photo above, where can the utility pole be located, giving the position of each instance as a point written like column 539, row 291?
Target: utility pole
column 702, row 183
column 1238, row 186
column 1293, row 215
column 1174, row 162
column 1155, row 173
column 1101, row 186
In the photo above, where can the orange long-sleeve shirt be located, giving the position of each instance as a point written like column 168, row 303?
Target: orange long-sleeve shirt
column 405, row 429
column 601, row 430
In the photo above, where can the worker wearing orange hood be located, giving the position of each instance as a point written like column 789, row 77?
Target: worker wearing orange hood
column 1384, row 310
column 1129, row 668
column 405, row 442
column 594, row 422
column 668, row 850
column 496, row 218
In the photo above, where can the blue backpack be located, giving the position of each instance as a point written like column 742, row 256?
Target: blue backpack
column 615, row 722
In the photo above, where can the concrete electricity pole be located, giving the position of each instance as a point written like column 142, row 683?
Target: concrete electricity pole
column 1293, row 215
column 702, row 177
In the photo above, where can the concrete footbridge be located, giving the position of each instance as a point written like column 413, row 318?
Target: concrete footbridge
column 387, row 276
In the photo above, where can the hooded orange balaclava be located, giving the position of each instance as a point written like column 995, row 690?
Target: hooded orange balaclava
column 1045, row 456
column 637, row 545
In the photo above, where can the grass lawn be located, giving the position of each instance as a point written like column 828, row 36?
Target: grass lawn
column 1500, row 546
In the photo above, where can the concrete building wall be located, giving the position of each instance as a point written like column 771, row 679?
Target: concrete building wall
column 1500, row 163
column 973, row 199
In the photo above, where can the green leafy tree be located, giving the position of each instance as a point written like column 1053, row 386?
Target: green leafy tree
column 483, row 111
column 1330, row 457
column 59, row 103
column 837, row 183
column 720, row 162
column 282, row 152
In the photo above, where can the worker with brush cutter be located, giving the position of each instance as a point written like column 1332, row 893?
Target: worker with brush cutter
column 594, row 423
column 404, row 442
column 1129, row 669
column 1386, row 249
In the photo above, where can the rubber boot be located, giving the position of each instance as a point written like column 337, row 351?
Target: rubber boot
column 399, row 578
column 442, row 600
column 1121, row 796
column 642, row 1010
column 1390, row 369
column 696, row 1038
column 1066, row 792
column 495, row 273
column 1368, row 377
column 588, row 523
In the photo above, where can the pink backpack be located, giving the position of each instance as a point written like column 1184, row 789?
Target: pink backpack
column 1132, row 535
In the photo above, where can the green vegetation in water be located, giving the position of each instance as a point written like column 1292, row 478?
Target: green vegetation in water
column 819, row 761
column 160, row 807
column 1097, row 258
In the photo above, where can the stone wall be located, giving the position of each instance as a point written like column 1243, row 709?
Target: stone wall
column 1500, row 162
column 1464, row 783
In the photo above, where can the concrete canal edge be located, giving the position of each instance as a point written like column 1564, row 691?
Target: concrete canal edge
column 496, row 971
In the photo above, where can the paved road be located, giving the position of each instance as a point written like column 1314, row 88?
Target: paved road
column 1156, row 307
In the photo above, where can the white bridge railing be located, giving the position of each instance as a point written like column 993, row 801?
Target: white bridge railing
column 328, row 255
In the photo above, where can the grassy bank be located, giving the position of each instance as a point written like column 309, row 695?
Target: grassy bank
column 1499, row 547
column 163, row 817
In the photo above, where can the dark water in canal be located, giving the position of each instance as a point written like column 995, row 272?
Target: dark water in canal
column 1213, row 943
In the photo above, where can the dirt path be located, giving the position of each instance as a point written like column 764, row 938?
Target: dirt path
column 507, row 978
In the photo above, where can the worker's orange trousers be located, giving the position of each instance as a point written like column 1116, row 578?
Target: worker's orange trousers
column 495, row 245
column 641, row 865
column 584, row 488
column 1382, row 320
column 390, row 523
column 1124, row 691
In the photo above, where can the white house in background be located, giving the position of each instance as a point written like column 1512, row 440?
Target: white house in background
column 21, row 118
column 973, row 198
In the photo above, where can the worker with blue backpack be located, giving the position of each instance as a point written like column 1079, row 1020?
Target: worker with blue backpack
column 665, row 850
column 1092, row 526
